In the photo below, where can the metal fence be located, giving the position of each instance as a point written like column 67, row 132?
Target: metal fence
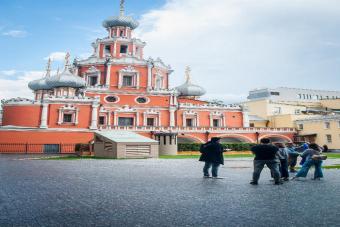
column 37, row 148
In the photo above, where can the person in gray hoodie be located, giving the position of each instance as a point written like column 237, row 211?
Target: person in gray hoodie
column 282, row 155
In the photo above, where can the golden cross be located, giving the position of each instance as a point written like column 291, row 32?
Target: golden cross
column 48, row 64
column 67, row 56
column 187, row 72
column 122, row 5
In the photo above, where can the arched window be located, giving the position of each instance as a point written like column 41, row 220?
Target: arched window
column 124, row 49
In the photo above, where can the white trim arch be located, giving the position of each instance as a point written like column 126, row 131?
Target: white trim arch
column 129, row 71
column 92, row 72
column 276, row 135
column 191, row 113
column 126, row 109
column 161, row 78
column 237, row 135
column 197, row 138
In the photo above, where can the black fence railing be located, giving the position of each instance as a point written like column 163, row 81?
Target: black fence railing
column 37, row 148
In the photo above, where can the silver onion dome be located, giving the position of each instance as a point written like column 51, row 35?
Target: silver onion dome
column 66, row 79
column 120, row 20
column 190, row 89
column 40, row 84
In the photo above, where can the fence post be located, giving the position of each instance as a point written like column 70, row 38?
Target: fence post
column 26, row 147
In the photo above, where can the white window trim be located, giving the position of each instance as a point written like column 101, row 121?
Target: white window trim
column 104, row 51
column 299, row 127
column 126, row 110
column 217, row 115
column 68, row 109
column 191, row 113
column 117, row 98
column 105, row 113
column 91, row 72
column 161, row 78
column 147, row 100
column 325, row 123
column 327, row 139
column 151, row 113
column 128, row 71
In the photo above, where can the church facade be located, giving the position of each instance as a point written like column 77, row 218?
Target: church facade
column 117, row 89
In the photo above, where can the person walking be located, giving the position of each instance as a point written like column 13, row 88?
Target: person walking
column 293, row 154
column 282, row 155
column 212, row 155
column 305, row 147
column 265, row 154
column 318, row 175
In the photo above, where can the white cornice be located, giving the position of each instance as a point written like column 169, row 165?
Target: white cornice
column 326, row 118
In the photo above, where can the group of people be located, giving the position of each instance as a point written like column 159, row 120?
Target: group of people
column 281, row 159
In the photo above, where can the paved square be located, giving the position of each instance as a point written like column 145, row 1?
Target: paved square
column 158, row 192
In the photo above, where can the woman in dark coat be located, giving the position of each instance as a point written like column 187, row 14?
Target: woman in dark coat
column 212, row 155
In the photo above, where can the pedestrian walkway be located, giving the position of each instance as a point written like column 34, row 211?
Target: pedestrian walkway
column 158, row 192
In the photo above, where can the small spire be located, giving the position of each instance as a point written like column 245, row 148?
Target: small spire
column 122, row 5
column 187, row 72
column 48, row 64
column 58, row 71
column 67, row 56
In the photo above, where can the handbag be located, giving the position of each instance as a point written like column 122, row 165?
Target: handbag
column 318, row 157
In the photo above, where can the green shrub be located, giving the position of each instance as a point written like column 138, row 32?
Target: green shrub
column 85, row 147
column 232, row 146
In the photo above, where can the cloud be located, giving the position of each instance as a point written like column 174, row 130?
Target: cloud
column 235, row 46
column 57, row 18
column 85, row 55
column 16, row 33
column 226, row 98
column 9, row 72
column 56, row 56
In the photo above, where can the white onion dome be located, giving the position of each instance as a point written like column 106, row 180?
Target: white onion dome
column 40, row 84
column 190, row 89
column 120, row 20
column 66, row 79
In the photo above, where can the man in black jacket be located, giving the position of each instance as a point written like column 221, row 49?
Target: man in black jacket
column 212, row 155
column 265, row 154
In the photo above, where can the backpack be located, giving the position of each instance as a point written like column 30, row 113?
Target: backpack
column 204, row 147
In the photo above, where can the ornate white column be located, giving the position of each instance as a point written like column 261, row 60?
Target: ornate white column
column 43, row 123
column 137, row 85
column 115, row 47
column 184, row 118
column 115, row 118
column 159, row 120
column 198, row 120
column 137, row 119
column 108, row 74
column 211, row 120
column 144, row 119
column 245, row 112
column 76, row 120
column 149, row 76
column 99, row 77
column 172, row 116
column 94, row 116
column 120, row 80
column 223, row 120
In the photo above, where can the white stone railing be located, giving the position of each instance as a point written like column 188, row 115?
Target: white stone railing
column 197, row 129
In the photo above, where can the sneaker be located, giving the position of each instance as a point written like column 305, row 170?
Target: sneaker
column 254, row 182
column 317, row 178
column 294, row 178
column 285, row 179
column 278, row 182
column 218, row 177
column 206, row 176
column 271, row 180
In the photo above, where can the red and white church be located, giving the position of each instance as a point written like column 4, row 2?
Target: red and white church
column 117, row 89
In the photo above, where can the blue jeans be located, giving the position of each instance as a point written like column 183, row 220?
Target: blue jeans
column 306, row 166
column 214, row 169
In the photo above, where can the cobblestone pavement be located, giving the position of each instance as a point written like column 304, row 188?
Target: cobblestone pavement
column 158, row 192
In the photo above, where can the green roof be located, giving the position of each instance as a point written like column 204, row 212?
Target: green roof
column 125, row 137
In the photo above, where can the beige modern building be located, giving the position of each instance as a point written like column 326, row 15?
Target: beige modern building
column 321, row 130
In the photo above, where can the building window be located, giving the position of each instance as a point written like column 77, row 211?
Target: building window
column 101, row 120
column 150, row 121
column 121, row 34
column 274, row 93
column 327, row 125
column 127, row 80
column 297, row 111
column 158, row 84
column 107, row 49
column 300, row 126
column 93, row 80
column 67, row 118
column 122, row 121
column 277, row 110
column 124, row 49
column 111, row 99
column 251, row 125
column 141, row 100
column 328, row 138
column 298, row 96
column 189, row 122
column 216, row 123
